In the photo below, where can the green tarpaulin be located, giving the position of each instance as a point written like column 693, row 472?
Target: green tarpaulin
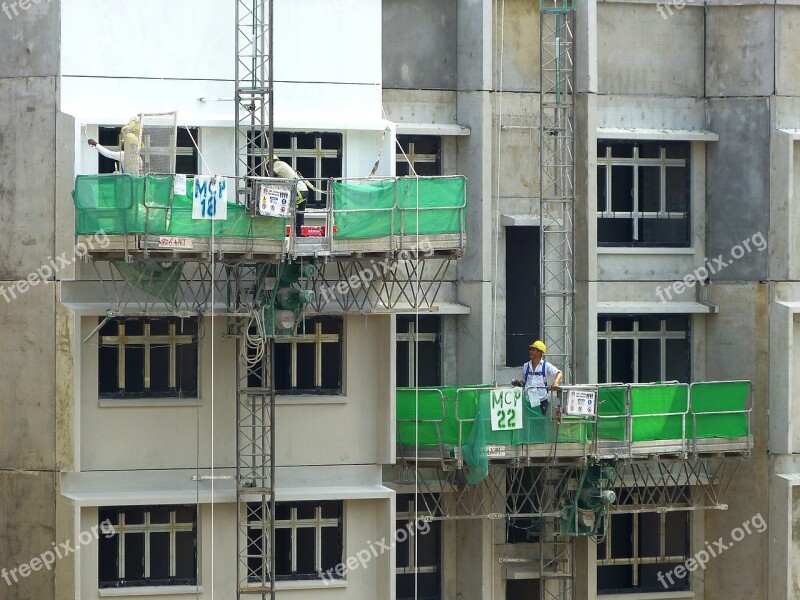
column 402, row 206
column 717, row 397
column 449, row 417
column 123, row 204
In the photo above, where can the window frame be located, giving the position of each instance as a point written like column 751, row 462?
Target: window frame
column 110, row 135
column 293, row 524
column 146, row 341
column 407, row 520
column 608, row 161
column 318, row 339
column 121, row 529
column 410, row 336
column 636, row 561
column 608, row 335
column 292, row 153
column 408, row 145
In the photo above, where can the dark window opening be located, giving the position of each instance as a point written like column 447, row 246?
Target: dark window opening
column 145, row 358
column 522, row 292
column 187, row 159
column 643, row 193
column 418, row 351
column 147, row 545
column 424, row 152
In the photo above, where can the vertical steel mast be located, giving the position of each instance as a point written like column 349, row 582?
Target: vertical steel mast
column 557, row 181
column 557, row 235
column 255, row 393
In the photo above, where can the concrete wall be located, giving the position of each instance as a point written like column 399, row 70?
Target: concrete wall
column 30, row 157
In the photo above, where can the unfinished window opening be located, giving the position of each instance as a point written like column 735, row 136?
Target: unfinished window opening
column 643, row 348
column 150, row 545
column 424, row 152
column 148, row 358
column 643, row 193
column 640, row 551
column 186, row 156
column 418, row 351
column 522, row 292
column 311, row 363
column 419, row 556
column 309, row 541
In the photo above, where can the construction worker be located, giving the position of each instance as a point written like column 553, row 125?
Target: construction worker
column 131, row 133
column 285, row 171
column 536, row 374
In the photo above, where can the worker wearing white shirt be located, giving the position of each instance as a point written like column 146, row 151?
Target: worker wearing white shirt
column 285, row 171
column 539, row 377
column 118, row 156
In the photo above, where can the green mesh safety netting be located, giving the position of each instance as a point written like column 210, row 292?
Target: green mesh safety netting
column 157, row 280
column 719, row 397
column 120, row 204
column 611, row 412
column 430, row 206
column 450, row 417
column 650, row 408
column 402, row 206
column 364, row 210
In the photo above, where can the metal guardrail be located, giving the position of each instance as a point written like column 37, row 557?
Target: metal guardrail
column 595, row 445
column 327, row 210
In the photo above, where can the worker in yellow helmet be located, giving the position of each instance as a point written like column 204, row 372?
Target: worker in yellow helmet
column 539, row 377
column 284, row 170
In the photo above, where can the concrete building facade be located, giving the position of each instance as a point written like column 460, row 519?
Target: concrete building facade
column 687, row 119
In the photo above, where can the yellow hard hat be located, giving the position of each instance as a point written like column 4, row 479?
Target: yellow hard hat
column 539, row 345
column 275, row 158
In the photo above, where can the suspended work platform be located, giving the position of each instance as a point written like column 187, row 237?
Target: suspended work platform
column 631, row 421
column 156, row 246
column 145, row 217
column 670, row 445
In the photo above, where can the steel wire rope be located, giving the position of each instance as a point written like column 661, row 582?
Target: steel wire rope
column 135, row 21
column 497, row 230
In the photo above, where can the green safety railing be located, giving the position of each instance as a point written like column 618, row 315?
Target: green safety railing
column 399, row 206
column 121, row 204
column 691, row 417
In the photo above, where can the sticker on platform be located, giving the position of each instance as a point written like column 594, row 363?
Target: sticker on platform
column 179, row 185
column 273, row 201
column 581, row 402
column 174, row 242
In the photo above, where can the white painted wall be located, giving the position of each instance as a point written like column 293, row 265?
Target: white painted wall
column 121, row 57
column 170, row 436
column 365, row 521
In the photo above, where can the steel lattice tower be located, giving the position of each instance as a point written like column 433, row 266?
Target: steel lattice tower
column 255, row 394
column 557, row 181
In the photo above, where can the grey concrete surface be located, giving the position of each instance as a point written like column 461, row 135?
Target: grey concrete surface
column 27, row 523
column 640, row 52
column 27, row 165
column 740, row 51
column 419, row 44
column 737, row 185
column 30, row 39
